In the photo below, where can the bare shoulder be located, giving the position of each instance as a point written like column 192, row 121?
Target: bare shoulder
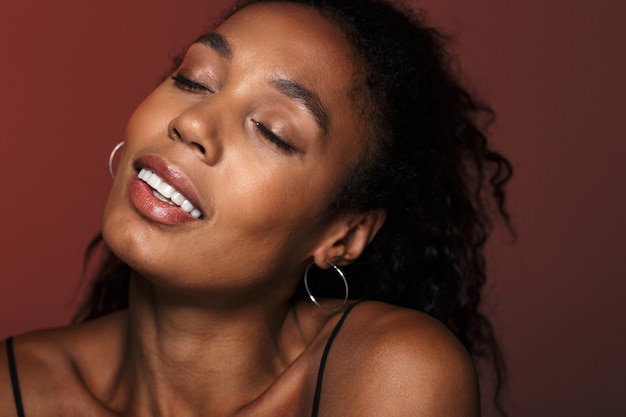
column 36, row 364
column 50, row 370
column 393, row 361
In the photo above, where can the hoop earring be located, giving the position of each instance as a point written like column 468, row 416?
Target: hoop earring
column 308, row 291
column 113, row 152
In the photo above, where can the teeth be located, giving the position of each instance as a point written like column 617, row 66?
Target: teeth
column 187, row 206
column 142, row 173
column 166, row 190
column 166, row 193
column 154, row 181
column 162, row 198
column 178, row 198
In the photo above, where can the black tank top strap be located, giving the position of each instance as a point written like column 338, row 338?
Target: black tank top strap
column 17, row 395
column 320, row 372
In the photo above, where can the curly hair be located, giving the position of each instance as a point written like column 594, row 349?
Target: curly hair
column 427, row 162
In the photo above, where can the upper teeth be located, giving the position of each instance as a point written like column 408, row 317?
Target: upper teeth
column 166, row 193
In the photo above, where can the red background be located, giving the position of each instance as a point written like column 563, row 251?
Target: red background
column 72, row 71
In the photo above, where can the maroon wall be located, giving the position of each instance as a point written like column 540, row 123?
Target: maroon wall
column 72, row 71
column 70, row 76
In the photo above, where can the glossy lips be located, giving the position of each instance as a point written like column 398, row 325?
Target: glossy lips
column 166, row 193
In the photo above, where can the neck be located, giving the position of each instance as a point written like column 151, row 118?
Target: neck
column 191, row 359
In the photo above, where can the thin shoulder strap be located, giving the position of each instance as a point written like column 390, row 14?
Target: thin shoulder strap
column 17, row 396
column 320, row 372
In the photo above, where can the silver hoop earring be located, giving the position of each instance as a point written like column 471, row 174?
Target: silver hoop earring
column 308, row 291
column 113, row 152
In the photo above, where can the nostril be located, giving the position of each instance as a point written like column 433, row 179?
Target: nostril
column 176, row 133
column 200, row 147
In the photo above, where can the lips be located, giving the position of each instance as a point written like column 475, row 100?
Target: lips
column 162, row 193
column 166, row 193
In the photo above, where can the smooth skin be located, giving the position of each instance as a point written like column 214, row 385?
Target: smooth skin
column 211, row 330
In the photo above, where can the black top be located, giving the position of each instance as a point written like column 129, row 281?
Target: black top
column 17, row 396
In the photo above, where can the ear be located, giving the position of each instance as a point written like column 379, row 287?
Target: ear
column 347, row 238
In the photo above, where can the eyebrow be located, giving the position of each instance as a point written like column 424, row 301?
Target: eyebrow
column 218, row 43
column 306, row 98
column 288, row 87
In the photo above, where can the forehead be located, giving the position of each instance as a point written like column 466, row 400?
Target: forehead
column 297, row 42
column 289, row 27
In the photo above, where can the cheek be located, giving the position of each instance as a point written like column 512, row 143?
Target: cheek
column 266, row 198
column 276, row 207
column 150, row 118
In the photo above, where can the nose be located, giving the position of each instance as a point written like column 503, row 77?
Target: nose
column 196, row 129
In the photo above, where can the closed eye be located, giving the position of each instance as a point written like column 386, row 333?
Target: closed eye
column 187, row 84
column 275, row 139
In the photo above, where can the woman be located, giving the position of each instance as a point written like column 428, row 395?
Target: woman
column 298, row 139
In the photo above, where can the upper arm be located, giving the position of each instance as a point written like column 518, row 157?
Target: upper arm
column 403, row 365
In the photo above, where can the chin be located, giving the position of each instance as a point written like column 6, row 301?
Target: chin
column 123, row 235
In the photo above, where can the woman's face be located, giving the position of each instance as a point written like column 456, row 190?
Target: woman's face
column 255, row 130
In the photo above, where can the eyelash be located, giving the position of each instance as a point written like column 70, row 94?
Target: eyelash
column 189, row 85
column 272, row 137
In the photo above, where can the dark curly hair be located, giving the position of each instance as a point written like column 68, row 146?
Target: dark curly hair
column 427, row 163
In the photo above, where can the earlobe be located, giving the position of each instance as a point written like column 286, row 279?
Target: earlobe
column 349, row 238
